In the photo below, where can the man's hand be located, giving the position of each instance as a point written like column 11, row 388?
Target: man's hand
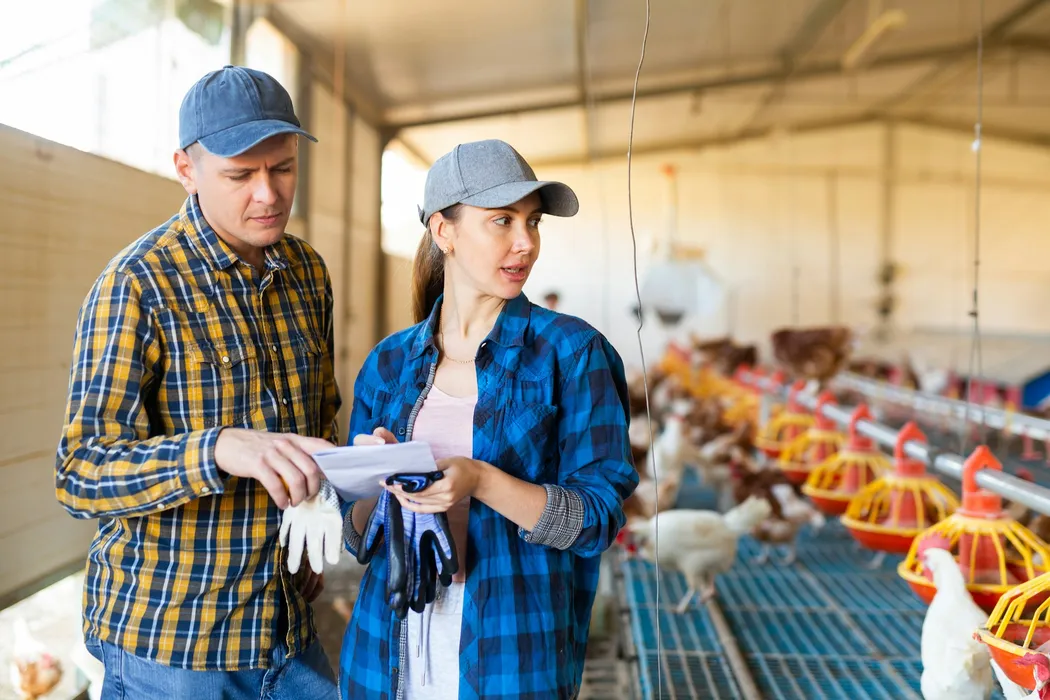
column 281, row 462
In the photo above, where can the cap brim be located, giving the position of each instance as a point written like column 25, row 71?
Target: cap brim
column 238, row 139
column 558, row 199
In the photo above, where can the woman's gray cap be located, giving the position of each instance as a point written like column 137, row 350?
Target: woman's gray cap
column 490, row 174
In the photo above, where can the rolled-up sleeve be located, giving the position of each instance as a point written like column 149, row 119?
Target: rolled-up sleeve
column 360, row 422
column 108, row 464
column 584, row 511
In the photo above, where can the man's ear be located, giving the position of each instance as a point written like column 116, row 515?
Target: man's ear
column 185, row 169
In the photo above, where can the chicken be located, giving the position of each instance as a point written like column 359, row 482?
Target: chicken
column 723, row 355
column 636, row 382
column 706, row 421
column 671, row 451
column 930, row 380
column 34, row 672
column 788, row 513
column 955, row 666
column 1040, row 664
column 698, row 543
column 813, row 353
column 723, row 460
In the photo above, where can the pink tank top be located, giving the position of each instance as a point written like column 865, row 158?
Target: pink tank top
column 446, row 423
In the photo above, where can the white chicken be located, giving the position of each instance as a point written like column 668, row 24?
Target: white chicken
column 955, row 666
column 670, row 452
column 698, row 543
column 34, row 672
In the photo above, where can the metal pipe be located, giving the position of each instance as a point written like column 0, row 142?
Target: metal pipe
column 1010, row 422
column 1006, row 485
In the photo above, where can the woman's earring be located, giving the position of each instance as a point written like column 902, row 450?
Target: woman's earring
column 448, row 250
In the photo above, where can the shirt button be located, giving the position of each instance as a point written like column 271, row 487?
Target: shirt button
column 274, row 348
column 226, row 359
column 400, row 431
column 284, row 401
column 205, row 490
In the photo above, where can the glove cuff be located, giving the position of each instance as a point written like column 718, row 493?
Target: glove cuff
column 328, row 494
column 351, row 538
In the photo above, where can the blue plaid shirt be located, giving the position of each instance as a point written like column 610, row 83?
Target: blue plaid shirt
column 553, row 410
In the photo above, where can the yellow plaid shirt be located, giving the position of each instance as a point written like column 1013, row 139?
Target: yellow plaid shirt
column 177, row 339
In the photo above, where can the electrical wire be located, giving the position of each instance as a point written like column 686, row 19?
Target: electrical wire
column 976, row 360
column 641, row 350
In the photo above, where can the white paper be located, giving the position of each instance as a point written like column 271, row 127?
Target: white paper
column 356, row 470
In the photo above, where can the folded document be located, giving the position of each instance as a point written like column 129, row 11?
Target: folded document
column 356, row 470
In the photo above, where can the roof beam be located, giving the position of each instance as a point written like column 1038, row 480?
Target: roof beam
column 709, row 142
column 560, row 100
column 1017, row 136
column 814, row 26
column 989, row 130
column 994, row 37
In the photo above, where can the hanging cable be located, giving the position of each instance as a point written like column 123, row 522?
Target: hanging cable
column 976, row 360
column 641, row 351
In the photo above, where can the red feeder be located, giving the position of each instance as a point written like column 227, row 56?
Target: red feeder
column 833, row 483
column 994, row 551
column 889, row 513
column 813, row 447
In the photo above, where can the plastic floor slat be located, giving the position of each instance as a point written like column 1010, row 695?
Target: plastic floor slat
column 809, row 632
column 687, row 676
column 825, row 627
column 793, row 677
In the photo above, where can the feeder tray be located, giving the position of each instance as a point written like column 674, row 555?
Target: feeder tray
column 785, row 427
column 812, row 447
column 887, row 514
column 1018, row 625
column 994, row 551
column 835, row 481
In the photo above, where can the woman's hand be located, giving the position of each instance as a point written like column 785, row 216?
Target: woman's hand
column 364, row 507
column 461, row 479
column 379, row 436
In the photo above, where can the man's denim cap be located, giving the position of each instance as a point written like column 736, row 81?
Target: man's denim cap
column 233, row 109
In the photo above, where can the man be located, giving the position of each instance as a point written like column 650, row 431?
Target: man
column 551, row 299
column 202, row 381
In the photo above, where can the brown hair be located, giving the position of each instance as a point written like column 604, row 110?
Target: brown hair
column 428, row 270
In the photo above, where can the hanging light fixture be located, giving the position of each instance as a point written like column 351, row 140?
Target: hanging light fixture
column 679, row 283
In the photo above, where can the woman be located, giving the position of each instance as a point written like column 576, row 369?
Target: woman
column 526, row 411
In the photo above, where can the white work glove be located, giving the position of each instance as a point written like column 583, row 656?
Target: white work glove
column 317, row 524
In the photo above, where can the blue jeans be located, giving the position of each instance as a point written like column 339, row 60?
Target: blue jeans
column 129, row 677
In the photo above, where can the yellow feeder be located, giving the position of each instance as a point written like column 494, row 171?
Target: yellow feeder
column 835, row 481
column 785, row 427
column 994, row 551
column 889, row 513
column 812, row 447
column 1018, row 626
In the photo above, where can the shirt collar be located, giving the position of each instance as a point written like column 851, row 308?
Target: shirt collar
column 509, row 330
column 214, row 249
